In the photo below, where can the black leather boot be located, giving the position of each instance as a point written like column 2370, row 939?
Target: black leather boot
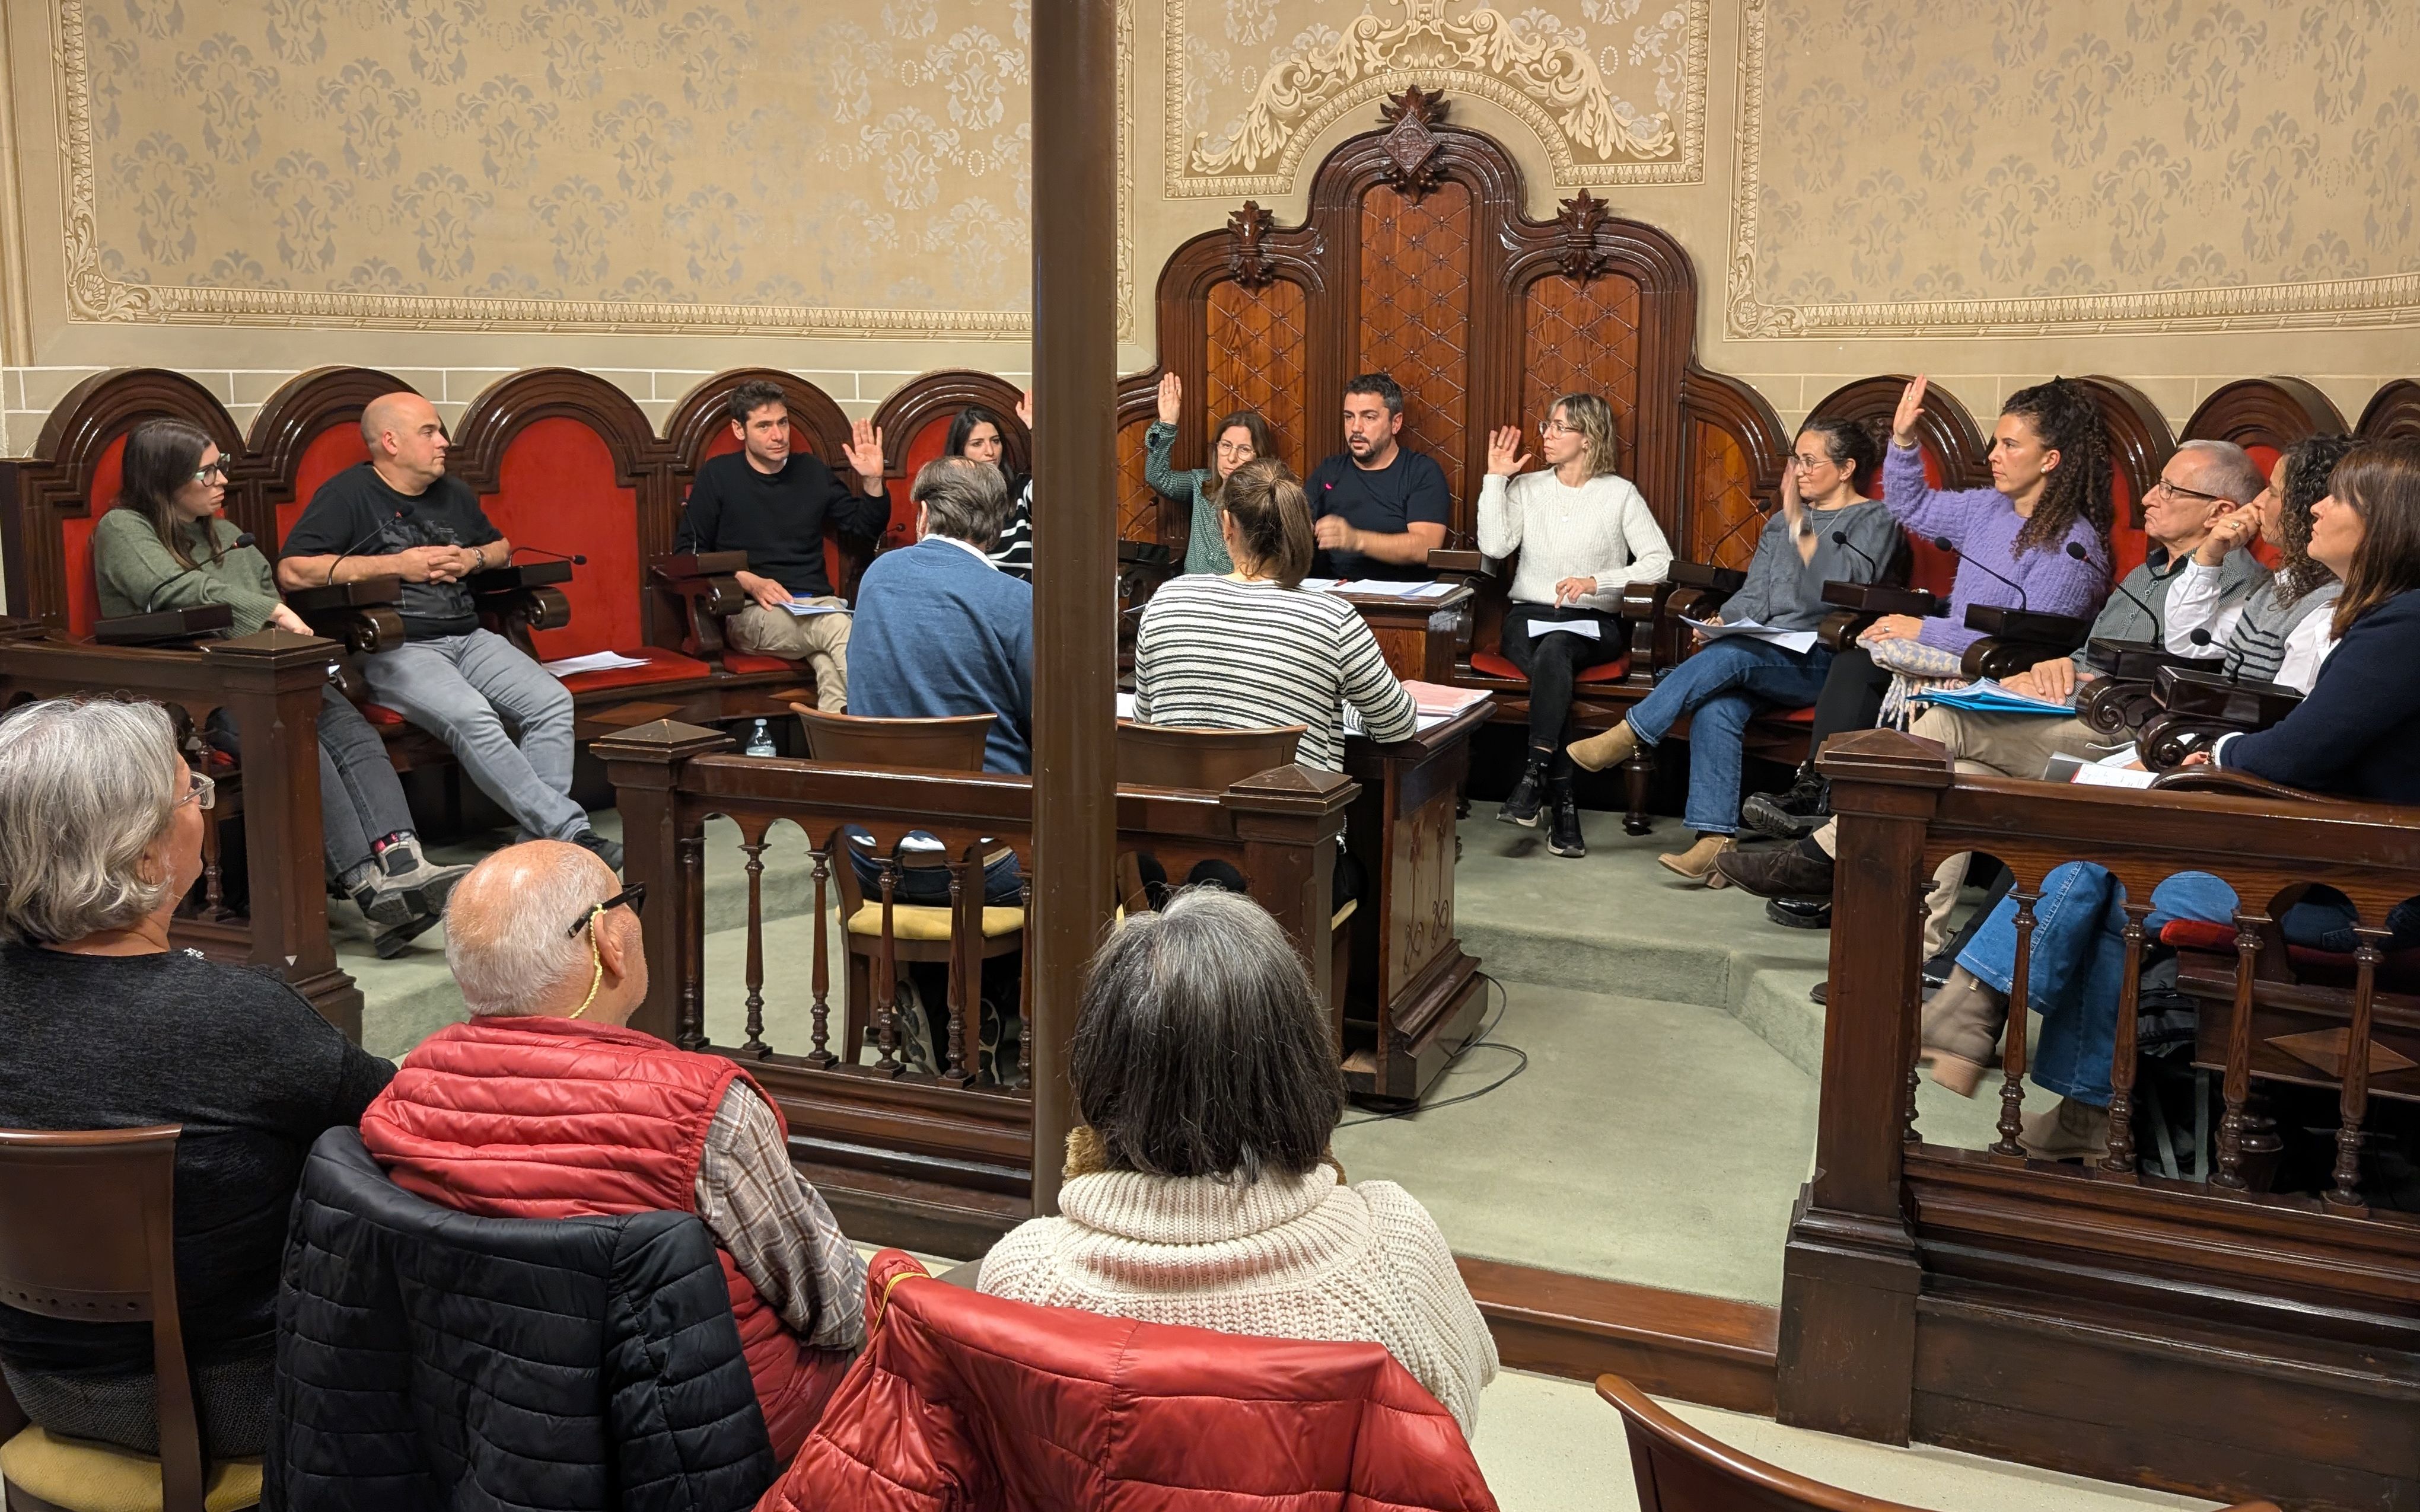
column 1794, row 814
column 1529, row 796
column 1563, row 823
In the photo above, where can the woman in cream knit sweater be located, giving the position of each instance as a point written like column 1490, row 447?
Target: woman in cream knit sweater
column 1199, row 1191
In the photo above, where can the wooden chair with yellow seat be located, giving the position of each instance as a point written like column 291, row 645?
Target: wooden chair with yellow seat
column 1181, row 756
column 919, row 932
column 87, row 1232
column 1681, row 1470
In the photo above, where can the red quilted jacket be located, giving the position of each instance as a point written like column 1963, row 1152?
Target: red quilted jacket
column 974, row 1402
column 550, row 1118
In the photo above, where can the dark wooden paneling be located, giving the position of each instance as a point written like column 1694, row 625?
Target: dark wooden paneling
column 2272, row 412
column 2393, row 412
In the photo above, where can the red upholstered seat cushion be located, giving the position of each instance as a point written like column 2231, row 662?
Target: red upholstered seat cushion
column 1490, row 664
column 2197, row 935
column 380, row 714
column 661, row 666
column 740, row 663
column 1804, row 716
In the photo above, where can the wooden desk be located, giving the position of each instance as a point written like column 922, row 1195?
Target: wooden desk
column 1414, row 993
column 1420, row 637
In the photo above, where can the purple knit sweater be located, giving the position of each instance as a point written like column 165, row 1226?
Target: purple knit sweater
column 1980, row 524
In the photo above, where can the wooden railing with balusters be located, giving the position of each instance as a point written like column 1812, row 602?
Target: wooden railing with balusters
column 1964, row 1297
column 939, row 1160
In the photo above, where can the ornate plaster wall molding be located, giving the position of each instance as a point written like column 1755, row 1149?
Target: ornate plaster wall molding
column 94, row 295
column 1591, row 135
column 2386, row 299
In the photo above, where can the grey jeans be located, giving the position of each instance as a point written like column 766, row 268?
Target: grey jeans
column 361, row 799
column 461, row 688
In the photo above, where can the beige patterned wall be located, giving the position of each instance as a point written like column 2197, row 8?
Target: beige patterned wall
column 2174, row 191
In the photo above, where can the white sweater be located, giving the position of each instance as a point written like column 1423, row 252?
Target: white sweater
column 1602, row 529
column 1296, row 1257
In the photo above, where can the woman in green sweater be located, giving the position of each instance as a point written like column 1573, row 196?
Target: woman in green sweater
column 1240, row 438
column 164, row 546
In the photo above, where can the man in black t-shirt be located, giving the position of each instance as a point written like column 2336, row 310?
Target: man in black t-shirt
column 772, row 503
column 1377, row 508
column 398, row 515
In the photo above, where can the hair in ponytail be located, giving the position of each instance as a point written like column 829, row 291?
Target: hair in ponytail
column 1272, row 520
column 1851, row 444
column 2069, row 423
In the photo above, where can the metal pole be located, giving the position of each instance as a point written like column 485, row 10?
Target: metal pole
column 1074, row 537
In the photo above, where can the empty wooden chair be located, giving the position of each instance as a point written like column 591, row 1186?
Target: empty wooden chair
column 919, row 932
column 1681, row 1470
column 87, row 1232
column 1174, row 756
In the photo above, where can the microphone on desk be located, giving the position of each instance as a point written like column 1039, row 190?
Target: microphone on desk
column 1841, row 538
column 572, row 557
column 1942, row 543
column 403, row 510
column 241, row 541
column 2235, row 666
column 2075, row 549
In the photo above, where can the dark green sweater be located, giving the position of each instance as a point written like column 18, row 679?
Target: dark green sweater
column 139, row 575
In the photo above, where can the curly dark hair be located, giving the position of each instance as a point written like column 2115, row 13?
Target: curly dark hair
column 2069, row 423
column 2308, row 465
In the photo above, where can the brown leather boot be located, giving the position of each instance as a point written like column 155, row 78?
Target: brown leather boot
column 1697, row 863
column 2071, row 1131
column 1960, row 1030
column 1610, row 749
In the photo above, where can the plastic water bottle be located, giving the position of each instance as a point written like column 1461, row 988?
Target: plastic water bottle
column 760, row 742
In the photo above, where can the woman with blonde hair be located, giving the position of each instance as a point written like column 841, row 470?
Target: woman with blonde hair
column 1584, row 534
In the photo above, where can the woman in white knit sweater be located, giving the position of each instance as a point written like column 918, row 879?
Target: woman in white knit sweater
column 1584, row 533
column 1199, row 1188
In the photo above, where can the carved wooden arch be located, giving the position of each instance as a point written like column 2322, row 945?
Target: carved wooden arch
column 2393, row 413
column 511, row 404
column 2274, row 413
column 2140, row 442
column 1416, row 159
column 705, row 410
column 305, row 408
column 37, row 494
column 1737, row 448
column 929, row 397
column 1948, row 432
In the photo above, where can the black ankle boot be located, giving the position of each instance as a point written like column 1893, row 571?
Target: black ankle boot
column 1529, row 796
column 1564, row 825
column 1794, row 814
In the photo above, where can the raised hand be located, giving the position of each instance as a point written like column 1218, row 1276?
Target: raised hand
column 863, row 450
column 1911, row 410
column 1025, row 410
column 1791, row 506
column 1172, row 399
column 1504, row 454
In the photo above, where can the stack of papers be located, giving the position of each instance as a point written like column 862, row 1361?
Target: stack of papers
column 1379, row 586
column 1985, row 696
column 802, row 609
column 596, row 661
column 1801, row 641
column 1584, row 629
column 1438, row 697
column 2115, row 770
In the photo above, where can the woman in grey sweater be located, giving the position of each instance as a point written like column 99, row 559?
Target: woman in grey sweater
column 1240, row 438
column 1826, row 529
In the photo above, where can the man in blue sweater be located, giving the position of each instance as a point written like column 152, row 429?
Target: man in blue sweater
column 940, row 631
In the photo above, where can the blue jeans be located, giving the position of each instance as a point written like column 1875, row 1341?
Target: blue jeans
column 928, row 887
column 1721, row 688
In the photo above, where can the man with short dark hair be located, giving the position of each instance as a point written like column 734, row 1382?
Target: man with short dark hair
column 773, row 503
column 1377, row 508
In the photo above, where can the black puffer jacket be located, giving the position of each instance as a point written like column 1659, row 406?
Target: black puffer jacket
column 429, row 1359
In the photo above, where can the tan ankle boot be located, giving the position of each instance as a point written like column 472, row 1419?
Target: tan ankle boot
column 1613, row 746
column 2071, row 1131
column 1697, row 863
column 1961, row 1030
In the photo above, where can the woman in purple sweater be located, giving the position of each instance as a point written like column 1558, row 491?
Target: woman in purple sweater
column 2050, row 488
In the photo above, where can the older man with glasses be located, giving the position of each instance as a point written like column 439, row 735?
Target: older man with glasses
column 546, row 1105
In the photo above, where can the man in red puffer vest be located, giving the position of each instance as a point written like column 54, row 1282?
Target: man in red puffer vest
column 546, row 1106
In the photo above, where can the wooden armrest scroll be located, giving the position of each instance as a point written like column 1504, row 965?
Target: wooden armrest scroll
column 2140, row 661
column 2227, row 780
column 1447, row 561
column 1723, row 580
column 703, row 564
column 2245, row 705
column 169, row 625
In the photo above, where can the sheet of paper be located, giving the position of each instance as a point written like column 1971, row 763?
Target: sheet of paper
column 1584, row 629
column 596, row 661
column 1385, row 588
column 1323, row 585
column 1439, row 698
column 1125, row 705
column 2097, row 776
column 1428, row 590
column 802, row 609
column 1801, row 641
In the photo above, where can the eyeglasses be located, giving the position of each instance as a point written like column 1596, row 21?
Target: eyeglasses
column 1235, row 449
column 199, row 791
column 1809, row 464
column 2189, row 493
column 635, row 894
column 1557, row 427
column 214, row 470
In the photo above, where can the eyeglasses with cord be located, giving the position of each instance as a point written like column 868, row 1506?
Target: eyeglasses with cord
column 633, row 895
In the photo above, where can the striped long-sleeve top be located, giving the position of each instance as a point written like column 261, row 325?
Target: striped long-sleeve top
column 1226, row 654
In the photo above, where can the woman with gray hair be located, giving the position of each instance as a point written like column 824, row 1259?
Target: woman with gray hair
column 1200, row 1187
column 110, row 1028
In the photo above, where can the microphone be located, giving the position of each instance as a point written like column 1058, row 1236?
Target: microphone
column 1841, row 538
column 403, row 511
column 1942, row 543
column 2075, row 549
column 241, row 541
column 572, row 557
column 2234, row 662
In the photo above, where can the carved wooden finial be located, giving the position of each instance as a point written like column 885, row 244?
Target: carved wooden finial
column 1412, row 145
column 1578, row 255
column 1248, row 258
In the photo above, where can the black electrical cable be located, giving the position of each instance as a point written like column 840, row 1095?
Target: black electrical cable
column 1478, row 1041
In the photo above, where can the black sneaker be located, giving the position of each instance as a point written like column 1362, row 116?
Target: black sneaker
column 1564, row 826
column 1792, row 815
column 1526, row 799
column 607, row 851
column 391, row 940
